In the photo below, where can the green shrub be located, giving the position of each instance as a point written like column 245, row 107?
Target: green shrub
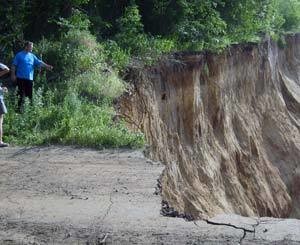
column 131, row 34
column 116, row 57
column 290, row 11
column 73, row 121
column 76, row 52
column 77, row 21
column 97, row 84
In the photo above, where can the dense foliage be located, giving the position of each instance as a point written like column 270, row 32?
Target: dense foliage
column 73, row 104
column 145, row 27
column 90, row 42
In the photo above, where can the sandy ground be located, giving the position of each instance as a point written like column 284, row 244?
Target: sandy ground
column 63, row 195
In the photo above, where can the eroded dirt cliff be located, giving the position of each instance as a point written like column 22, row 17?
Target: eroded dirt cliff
column 226, row 126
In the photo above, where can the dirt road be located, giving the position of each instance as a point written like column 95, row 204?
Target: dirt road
column 63, row 195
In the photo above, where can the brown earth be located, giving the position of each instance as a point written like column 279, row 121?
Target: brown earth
column 226, row 126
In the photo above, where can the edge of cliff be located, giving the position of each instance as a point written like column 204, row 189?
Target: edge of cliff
column 226, row 126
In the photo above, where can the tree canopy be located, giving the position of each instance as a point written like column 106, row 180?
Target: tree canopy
column 134, row 24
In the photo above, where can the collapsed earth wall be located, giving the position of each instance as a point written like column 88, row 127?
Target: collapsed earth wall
column 227, row 127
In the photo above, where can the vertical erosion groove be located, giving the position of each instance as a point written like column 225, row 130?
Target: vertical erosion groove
column 227, row 128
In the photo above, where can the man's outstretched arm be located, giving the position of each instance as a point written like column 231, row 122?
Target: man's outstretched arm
column 48, row 67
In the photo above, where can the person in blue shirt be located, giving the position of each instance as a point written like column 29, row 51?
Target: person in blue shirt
column 22, row 71
column 3, row 70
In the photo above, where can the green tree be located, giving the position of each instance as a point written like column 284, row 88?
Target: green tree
column 201, row 25
column 160, row 17
column 290, row 11
column 248, row 19
column 131, row 34
column 12, row 25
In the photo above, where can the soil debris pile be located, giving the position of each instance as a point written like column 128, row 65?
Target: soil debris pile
column 227, row 128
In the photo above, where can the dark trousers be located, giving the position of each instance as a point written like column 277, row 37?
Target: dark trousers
column 24, row 90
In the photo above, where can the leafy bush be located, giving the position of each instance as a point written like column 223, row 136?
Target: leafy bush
column 73, row 121
column 77, row 21
column 81, row 52
column 132, row 41
column 98, row 83
column 201, row 27
column 76, row 52
column 131, row 34
column 290, row 11
column 116, row 56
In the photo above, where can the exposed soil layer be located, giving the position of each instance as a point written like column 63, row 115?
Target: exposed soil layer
column 226, row 126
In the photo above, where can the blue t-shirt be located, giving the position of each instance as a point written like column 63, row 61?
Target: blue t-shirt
column 25, row 63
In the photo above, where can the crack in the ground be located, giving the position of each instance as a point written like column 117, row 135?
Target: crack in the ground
column 233, row 226
column 225, row 224
column 166, row 210
column 108, row 208
column 110, row 198
column 240, row 228
column 96, row 227
column 243, row 237
column 22, row 151
column 255, row 226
